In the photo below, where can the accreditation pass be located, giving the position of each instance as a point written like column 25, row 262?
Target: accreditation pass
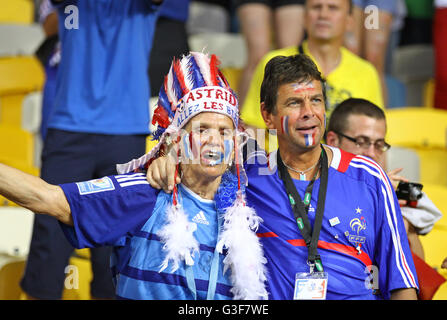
column 310, row 286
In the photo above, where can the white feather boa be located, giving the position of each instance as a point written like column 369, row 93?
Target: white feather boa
column 245, row 257
column 177, row 236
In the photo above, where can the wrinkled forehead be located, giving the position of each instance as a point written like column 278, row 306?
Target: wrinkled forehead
column 306, row 86
column 210, row 120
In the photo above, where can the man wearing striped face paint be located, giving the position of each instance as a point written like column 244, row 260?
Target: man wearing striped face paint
column 320, row 205
column 198, row 242
column 332, row 226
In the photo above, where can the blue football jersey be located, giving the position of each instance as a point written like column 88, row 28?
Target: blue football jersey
column 102, row 83
column 363, row 244
column 125, row 212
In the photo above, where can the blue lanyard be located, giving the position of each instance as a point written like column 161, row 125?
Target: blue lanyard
column 212, row 283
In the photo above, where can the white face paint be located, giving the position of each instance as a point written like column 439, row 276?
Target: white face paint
column 310, row 140
column 215, row 156
column 302, row 87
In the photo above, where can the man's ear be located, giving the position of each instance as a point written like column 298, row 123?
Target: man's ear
column 332, row 139
column 267, row 116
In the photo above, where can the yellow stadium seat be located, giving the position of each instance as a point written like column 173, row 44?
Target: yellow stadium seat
column 82, row 253
column 22, row 110
column 17, row 11
column 438, row 194
column 429, row 93
column 17, row 150
column 150, row 143
column 20, row 75
column 16, row 146
column 233, row 76
column 417, row 127
column 435, row 247
column 433, row 165
column 435, row 242
column 11, row 271
column 441, row 293
column 11, row 109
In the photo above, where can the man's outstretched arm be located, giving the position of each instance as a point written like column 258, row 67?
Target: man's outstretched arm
column 34, row 194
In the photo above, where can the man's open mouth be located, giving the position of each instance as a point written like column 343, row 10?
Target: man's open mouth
column 306, row 129
column 212, row 157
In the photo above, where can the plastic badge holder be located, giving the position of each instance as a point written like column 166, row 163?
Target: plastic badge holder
column 310, row 286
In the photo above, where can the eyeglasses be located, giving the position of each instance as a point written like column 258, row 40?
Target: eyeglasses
column 364, row 142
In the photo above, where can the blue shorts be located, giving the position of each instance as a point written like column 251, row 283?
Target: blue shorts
column 70, row 157
column 389, row 6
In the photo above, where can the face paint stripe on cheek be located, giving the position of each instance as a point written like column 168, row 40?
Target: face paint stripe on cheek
column 228, row 147
column 195, row 146
column 285, row 124
column 186, row 147
column 309, row 139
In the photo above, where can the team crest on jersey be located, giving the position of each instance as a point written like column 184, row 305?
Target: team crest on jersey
column 357, row 225
column 97, row 185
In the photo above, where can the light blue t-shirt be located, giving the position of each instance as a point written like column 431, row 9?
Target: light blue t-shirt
column 103, row 85
column 125, row 212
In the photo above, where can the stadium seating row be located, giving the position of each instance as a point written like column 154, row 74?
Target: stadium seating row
column 22, row 78
column 17, row 11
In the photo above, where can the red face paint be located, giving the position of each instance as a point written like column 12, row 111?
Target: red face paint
column 302, row 88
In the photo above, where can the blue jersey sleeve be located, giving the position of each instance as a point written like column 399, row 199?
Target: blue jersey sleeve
column 393, row 254
column 106, row 210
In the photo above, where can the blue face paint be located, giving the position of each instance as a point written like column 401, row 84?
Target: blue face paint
column 228, row 148
column 225, row 156
column 309, row 139
column 186, row 147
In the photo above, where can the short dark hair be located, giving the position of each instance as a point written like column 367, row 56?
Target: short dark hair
column 338, row 120
column 351, row 6
column 287, row 69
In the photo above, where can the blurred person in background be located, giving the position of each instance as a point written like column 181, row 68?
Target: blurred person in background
column 370, row 34
column 99, row 117
column 170, row 40
column 346, row 74
column 263, row 22
column 49, row 55
column 359, row 127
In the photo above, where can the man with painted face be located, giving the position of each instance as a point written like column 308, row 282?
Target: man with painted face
column 347, row 75
column 196, row 243
column 332, row 226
